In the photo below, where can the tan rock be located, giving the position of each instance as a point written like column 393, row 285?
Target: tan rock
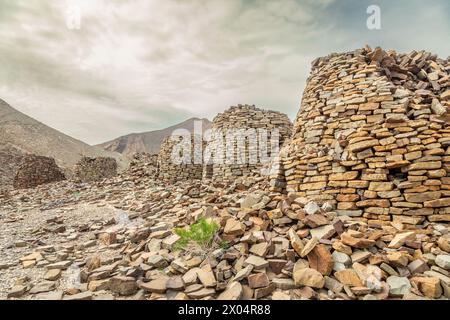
column 53, row 274
column 258, row 280
column 234, row 227
column 320, row 259
column 309, row 277
column 400, row 239
column 296, row 242
column 429, row 286
column 348, row 277
column 206, row 276
column 444, row 202
column 233, row 291
column 309, row 246
column 155, row 286
column 398, row 259
column 359, row 243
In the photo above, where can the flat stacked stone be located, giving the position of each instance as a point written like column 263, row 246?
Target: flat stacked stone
column 143, row 164
column 95, row 169
column 10, row 160
column 174, row 165
column 373, row 137
column 36, row 170
column 244, row 117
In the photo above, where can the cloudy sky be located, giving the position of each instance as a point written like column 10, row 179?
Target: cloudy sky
column 140, row 65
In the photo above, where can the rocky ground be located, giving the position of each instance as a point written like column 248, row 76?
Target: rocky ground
column 114, row 240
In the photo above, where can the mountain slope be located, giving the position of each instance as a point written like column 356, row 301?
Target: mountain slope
column 149, row 141
column 21, row 134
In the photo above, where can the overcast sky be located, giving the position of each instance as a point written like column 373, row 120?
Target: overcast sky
column 141, row 65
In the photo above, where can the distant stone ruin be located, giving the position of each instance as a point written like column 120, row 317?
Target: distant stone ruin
column 95, row 169
column 373, row 137
column 245, row 154
column 241, row 142
column 179, row 158
column 143, row 164
column 37, row 170
column 10, row 160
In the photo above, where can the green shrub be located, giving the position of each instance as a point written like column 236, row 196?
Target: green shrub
column 76, row 194
column 202, row 233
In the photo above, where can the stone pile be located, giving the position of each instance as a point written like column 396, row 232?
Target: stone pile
column 244, row 117
column 372, row 137
column 95, row 169
column 180, row 158
column 277, row 246
column 36, row 170
column 10, row 160
column 143, row 165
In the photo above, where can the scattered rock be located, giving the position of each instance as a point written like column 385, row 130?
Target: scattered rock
column 309, row 277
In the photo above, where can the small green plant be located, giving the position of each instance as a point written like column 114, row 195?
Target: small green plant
column 203, row 233
column 76, row 194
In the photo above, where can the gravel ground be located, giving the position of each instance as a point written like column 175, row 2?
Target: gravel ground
column 22, row 234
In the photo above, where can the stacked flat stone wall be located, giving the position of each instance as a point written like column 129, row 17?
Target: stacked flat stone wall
column 36, row 170
column 372, row 136
column 180, row 158
column 95, row 169
column 248, row 152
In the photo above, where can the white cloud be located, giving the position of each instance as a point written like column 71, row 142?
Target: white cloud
column 146, row 64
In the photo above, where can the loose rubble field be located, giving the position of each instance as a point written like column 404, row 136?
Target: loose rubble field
column 113, row 240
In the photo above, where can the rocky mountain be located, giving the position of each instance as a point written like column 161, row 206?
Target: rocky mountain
column 149, row 141
column 21, row 134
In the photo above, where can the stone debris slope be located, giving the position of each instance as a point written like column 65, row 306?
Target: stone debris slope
column 279, row 246
column 373, row 137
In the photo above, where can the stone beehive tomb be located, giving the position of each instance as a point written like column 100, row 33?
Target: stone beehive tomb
column 373, row 136
column 245, row 150
column 176, row 158
column 95, row 169
column 36, row 170
column 10, row 160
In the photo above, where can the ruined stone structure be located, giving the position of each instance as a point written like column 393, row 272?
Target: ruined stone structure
column 143, row 164
column 36, row 170
column 95, row 169
column 10, row 160
column 244, row 117
column 180, row 158
column 373, row 136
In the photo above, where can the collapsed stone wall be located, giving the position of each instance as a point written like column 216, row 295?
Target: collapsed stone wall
column 224, row 168
column 95, row 169
column 143, row 164
column 36, row 170
column 373, row 136
column 180, row 158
